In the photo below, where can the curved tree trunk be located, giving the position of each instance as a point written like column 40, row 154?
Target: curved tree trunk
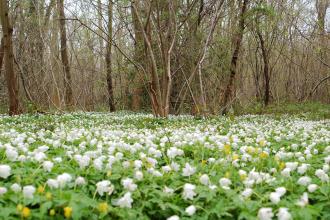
column 233, row 65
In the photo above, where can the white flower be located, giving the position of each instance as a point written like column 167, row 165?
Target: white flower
column 80, row 181
column 3, row 190
column 291, row 165
column 304, row 180
column 303, row 201
column 188, row 170
column 225, row 183
column 303, row 168
column 275, row 197
column 103, row 187
column 312, row 187
column 283, row 214
column 40, row 156
column 5, row 171
column 28, row 191
column 286, row 172
column 247, row 192
column 125, row 201
column 11, row 154
column 322, row 175
column 204, row 179
column 83, row 161
column 190, row 210
column 188, row 191
column 280, row 190
column 168, row 190
column 129, row 184
column 173, row 217
column 16, row 188
column 138, row 175
column 173, row 152
column 98, row 164
column 175, row 166
column 63, row 179
column 48, row 165
column 52, row 183
column 166, row 169
column 137, row 164
column 265, row 214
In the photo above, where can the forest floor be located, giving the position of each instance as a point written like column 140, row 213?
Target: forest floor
column 134, row 166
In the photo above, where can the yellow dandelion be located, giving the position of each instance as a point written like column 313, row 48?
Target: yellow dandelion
column 263, row 155
column 227, row 149
column 67, row 212
column 103, row 207
column 41, row 189
column 235, row 156
column 52, row 212
column 26, row 212
column 282, row 165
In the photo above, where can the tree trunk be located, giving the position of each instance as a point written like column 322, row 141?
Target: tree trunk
column 64, row 55
column 138, row 57
column 10, row 75
column 2, row 53
column 233, row 64
column 108, row 58
column 266, row 68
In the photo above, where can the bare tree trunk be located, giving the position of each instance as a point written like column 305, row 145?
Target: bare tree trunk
column 266, row 68
column 2, row 53
column 10, row 75
column 155, row 89
column 139, row 57
column 233, row 64
column 64, row 55
column 108, row 58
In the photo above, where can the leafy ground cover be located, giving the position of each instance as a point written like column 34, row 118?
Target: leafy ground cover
column 133, row 166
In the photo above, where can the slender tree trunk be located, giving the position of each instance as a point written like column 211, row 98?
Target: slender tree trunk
column 108, row 58
column 10, row 75
column 266, row 68
column 65, row 59
column 2, row 53
column 139, row 57
column 234, row 60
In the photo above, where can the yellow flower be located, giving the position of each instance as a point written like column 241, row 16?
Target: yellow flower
column 227, row 175
column 49, row 196
column 67, row 212
column 250, row 150
column 26, row 212
column 282, row 165
column 235, row 156
column 263, row 155
column 19, row 207
column 262, row 143
column 204, row 162
column 41, row 189
column 242, row 176
column 52, row 212
column 109, row 173
column 227, row 149
column 103, row 207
